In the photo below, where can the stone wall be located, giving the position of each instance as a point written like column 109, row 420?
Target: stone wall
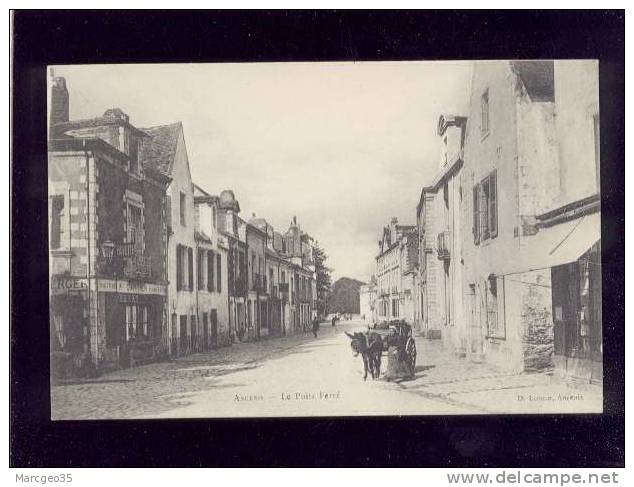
column 537, row 321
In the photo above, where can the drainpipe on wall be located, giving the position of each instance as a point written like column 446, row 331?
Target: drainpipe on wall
column 88, row 266
column 196, row 286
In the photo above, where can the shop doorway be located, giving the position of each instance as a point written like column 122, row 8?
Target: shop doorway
column 214, row 327
column 205, row 331
column 182, row 339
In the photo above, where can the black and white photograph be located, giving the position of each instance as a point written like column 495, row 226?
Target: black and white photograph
column 316, row 238
column 214, row 228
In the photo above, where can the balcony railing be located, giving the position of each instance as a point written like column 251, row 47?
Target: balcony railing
column 138, row 266
column 259, row 284
column 442, row 246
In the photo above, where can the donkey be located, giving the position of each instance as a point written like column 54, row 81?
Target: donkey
column 370, row 347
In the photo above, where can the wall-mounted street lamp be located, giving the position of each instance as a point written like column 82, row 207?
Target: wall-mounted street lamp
column 107, row 250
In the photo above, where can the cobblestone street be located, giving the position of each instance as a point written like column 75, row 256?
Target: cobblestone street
column 301, row 375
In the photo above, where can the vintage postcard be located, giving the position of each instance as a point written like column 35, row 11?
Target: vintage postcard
column 324, row 239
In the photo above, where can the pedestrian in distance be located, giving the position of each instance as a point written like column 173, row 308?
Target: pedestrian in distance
column 334, row 320
column 315, row 326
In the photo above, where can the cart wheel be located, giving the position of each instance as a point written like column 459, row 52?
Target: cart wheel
column 410, row 355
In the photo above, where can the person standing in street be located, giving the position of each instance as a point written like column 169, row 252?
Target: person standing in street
column 334, row 320
column 315, row 326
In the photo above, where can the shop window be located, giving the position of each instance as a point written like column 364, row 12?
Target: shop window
column 130, row 322
column 144, row 323
column 60, row 337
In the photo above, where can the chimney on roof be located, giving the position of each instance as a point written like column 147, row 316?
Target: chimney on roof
column 59, row 101
column 294, row 220
column 393, row 224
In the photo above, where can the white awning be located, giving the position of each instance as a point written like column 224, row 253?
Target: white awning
column 558, row 245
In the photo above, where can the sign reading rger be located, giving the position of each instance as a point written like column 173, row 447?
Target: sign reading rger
column 64, row 284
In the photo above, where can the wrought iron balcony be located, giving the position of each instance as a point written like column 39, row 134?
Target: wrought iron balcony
column 442, row 245
column 138, row 266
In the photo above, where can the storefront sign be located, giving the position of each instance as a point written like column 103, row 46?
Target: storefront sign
column 130, row 287
column 66, row 284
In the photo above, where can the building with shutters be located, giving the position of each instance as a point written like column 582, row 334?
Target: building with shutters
column 395, row 272
column 258, row 290
column 530, row 213
column 164, row 149
column 212, row 296
column 233, row 228
column 438, row 311
column 107, row 243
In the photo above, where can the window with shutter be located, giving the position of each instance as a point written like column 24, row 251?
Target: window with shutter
column 476, row 214
column 210, row 270
column 190, row 268
column 484, row 209
column 219, row 273
column 179, row 267
column 493, row 205
column 200, row 269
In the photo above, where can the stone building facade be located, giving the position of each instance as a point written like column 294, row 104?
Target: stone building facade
column 233, row 228
column 166, row 151
column 526, row 202
column 367, row 301
column 509, row 174
column 395, row 271
column 212, row 275
column 146, row 264
column 508, row 229
column 257, row 303
column 107, row 243
column 440, row 242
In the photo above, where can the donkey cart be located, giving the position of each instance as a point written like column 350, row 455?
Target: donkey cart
column 396, row 339
column 400, row 346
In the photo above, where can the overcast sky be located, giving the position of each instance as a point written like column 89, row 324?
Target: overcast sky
column 343, row 146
